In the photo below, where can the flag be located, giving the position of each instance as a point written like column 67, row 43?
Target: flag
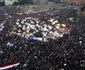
column 10, row 65
column 32, row 37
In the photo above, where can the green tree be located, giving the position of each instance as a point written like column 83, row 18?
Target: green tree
column 15, row 3
column 23, row 2
column 2, row 3
column 82, row 8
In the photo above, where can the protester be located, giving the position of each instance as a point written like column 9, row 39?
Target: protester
column 36, row 44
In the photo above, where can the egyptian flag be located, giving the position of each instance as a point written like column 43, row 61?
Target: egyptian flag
column 9, row 65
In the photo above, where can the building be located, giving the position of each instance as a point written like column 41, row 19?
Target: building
column 76, row 2
column 40, row 1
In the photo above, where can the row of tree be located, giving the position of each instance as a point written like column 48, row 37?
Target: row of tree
column 23, row 2
column 82, row 8
column 19, row 2
column 56, row 1
column 2, row 3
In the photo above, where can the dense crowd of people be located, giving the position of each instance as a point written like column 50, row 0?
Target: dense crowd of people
column 67, row 52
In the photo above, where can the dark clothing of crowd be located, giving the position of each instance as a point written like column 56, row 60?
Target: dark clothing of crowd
column 67, row 53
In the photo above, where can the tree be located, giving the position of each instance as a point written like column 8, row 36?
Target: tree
column 56, row 1
column 2, row 3
column 15, row 3
column 82, row 8
column 23, row 2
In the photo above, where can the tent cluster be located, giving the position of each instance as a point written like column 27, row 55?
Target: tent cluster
column 31, row 26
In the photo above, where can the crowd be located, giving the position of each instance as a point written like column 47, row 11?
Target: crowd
column 64, row 34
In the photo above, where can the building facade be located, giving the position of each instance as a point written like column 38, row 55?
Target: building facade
column 77, row 2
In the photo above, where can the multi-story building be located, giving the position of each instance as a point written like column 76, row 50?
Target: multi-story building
column 77, row 2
